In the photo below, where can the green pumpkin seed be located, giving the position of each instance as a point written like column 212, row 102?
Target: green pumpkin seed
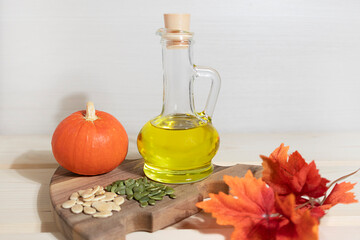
column 129, row 182
column 131, row 186
column 118, row 182
column 119, row 188
column 156, row 197
column 144, row 199
column 136, row 189
column 129, row 191
column 145, row 191
column 162, row 194
column 151, row 189
column 137, row 196
column 144, row 204
column 113, row 188
column 155, row 192
column 141, row 187
column 169, row 190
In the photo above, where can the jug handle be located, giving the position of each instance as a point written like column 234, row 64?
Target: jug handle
column 213, row 75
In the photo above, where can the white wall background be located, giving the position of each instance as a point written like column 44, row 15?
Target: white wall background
column 285, row 65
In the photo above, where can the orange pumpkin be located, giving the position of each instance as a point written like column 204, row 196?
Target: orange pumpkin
column 90, row 142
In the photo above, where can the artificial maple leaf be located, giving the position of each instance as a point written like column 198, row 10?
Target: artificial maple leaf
column 250, row 208
column 341, row 194
column 316, row 211
column 298, row 224
column 292, row 175
column 251, row 199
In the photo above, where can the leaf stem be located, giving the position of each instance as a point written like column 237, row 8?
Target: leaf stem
column 337, row 180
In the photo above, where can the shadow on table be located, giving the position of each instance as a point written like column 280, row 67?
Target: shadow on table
column 45, row 164
column 26, row 163
column 204, row 223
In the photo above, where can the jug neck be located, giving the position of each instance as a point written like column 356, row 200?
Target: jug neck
column 178, row 75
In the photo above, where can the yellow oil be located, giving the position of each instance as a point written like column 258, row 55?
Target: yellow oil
column 178, row 148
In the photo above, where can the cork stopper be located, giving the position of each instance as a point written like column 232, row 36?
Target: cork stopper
column 176, row 21
column 176, row 30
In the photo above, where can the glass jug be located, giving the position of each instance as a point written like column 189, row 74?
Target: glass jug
column 179, row 144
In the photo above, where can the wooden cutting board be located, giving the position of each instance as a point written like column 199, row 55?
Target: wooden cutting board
column 132, row 217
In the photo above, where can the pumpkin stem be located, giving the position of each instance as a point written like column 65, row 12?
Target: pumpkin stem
column 90, row 112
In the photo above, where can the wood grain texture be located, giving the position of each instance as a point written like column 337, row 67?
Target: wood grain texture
column 132, row 217
column 335, row 154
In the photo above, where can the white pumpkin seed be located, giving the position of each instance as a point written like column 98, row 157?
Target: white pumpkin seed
column 102, row 206
column 80, row 192
column 87, row 204
column 115, row 207
column 119, row 200
column 74, row 196
column 88, row 199
column 99, row 197
column 100, row 192
column 77, row 208
column 89, row 210
column 87, row 193
column 69, row 204
column 95, row 189
column 102, row 214
column 92, row 200
column 109, row 196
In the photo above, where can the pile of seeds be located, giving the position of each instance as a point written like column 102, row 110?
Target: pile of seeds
column 145, row 191
column 94, row 201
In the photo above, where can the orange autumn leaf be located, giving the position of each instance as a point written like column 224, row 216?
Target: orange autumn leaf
column 292, row 174
column 250, row 200
column 341, row 194
column 251, row 209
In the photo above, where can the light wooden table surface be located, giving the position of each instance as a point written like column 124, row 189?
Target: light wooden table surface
column 27, row 164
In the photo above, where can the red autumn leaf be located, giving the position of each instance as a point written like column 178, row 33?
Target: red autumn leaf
column 316, row 212
column 250, row 208
column 341, row 194
column 293, row 174
column 314, row 207
column 299, row 224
